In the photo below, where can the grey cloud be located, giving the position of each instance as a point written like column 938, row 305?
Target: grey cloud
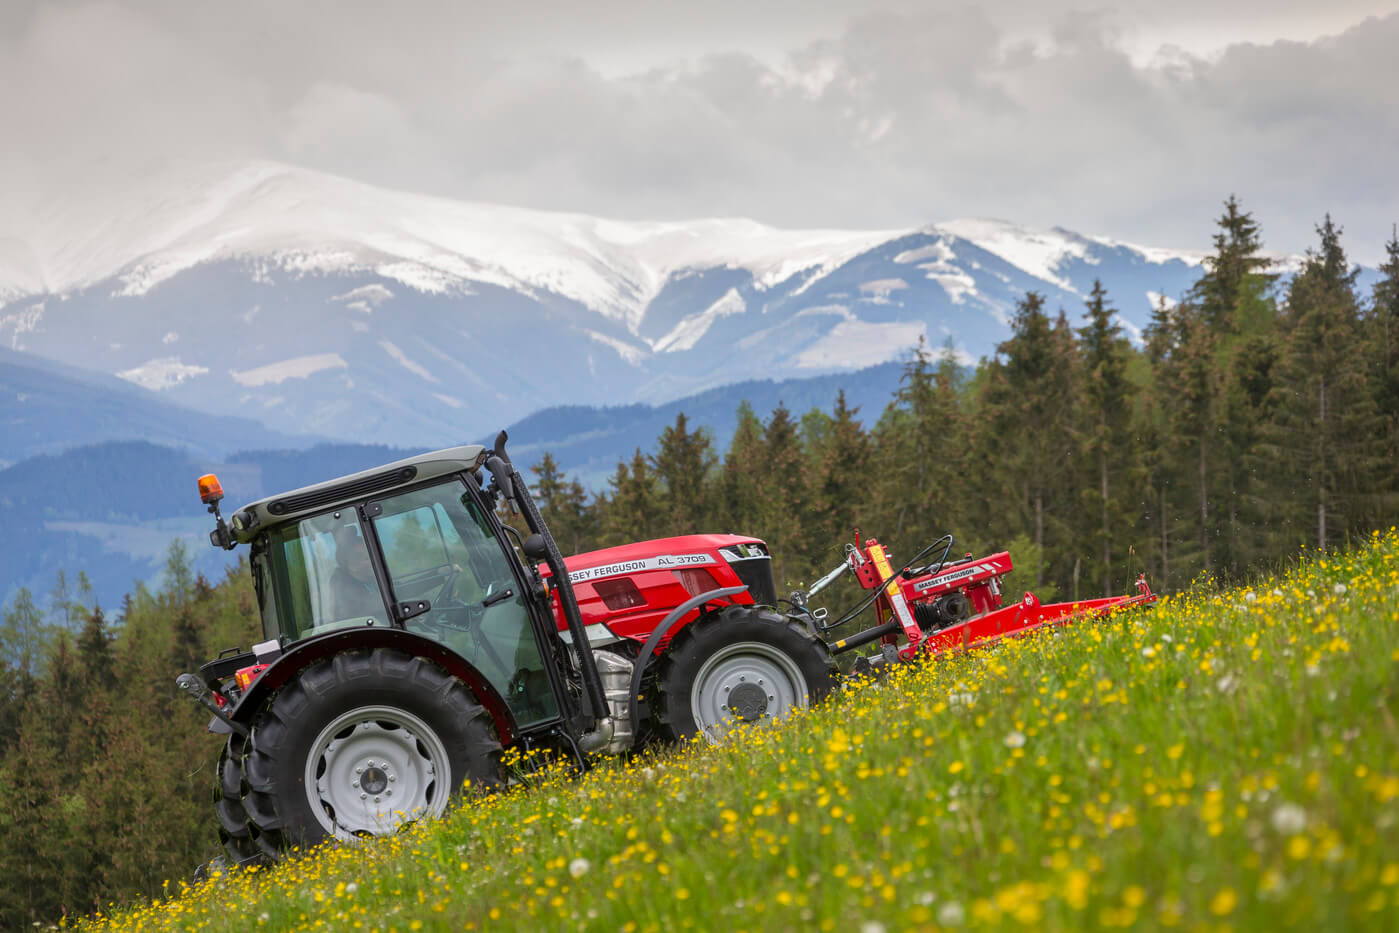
column 812, row 113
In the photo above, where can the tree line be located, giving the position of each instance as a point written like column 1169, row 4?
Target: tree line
column 1252, row 418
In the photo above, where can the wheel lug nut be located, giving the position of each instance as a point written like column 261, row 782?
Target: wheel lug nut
column 392, row 778
column 354, row 783
column 363, row 795
column 359, row 771
column 376, row 798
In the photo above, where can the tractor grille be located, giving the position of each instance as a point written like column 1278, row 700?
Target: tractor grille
column 353, row 490
column 756, row 574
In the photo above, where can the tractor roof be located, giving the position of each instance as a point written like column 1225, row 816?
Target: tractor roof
column 283, row 507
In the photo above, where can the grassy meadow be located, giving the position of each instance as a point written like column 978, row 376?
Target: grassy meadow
column 1226, row 760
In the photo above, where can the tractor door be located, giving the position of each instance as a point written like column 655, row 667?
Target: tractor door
column 440, row 549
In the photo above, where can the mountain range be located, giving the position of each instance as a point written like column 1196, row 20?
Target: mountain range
column 313, row 304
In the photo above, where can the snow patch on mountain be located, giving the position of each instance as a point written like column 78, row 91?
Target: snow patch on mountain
column 935, row 261
column 861, row 343
column 164, row 373
column 632, row 354
column 1038, row 252
column 365, row 298
column 879, row 290
column 1156, row 299
column 296, row 368
column 1156, row 254
column 407, row 362
column 689, row 331
column 20, row 323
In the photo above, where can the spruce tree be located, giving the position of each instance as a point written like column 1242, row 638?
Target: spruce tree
column 785, row 512
column 841, row 483
column 563, row 504
column 1326, row 422
column 741, row 476
column 1107, row 404
column 682, row 464
column 1031, row 400
column 1384, row 343
column 634, row 508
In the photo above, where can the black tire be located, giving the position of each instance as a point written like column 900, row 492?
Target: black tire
column 386, row 713
column 742, row 664
column 229, row 789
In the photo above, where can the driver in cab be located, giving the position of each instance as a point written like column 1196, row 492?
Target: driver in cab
column 354, row 593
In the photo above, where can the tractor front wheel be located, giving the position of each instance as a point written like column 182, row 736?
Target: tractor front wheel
column 360, row 744
column 744, row 665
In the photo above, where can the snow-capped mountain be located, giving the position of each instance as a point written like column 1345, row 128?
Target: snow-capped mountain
column 319, row 304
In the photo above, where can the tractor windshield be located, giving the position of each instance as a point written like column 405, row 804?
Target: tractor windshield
column 439, row 548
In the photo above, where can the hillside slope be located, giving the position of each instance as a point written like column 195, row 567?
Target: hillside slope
column 47, row 407
column 1225, row 759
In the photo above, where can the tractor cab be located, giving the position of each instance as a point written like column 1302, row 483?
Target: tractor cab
column 413, row 546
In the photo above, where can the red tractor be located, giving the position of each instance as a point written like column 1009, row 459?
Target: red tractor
column 410, row 636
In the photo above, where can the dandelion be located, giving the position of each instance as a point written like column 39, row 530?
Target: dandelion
column 1338, row 589
column 1015, row 739
column 871, row 926
column 579, row 867
column 1226, row 684
column 1223, row 903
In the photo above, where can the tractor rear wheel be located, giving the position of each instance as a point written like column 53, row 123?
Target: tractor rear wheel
column 229, row 789
column 744, row 665
column 361, row 743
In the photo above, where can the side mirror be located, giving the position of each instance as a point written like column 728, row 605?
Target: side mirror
column 534, row 547
column 500, row 471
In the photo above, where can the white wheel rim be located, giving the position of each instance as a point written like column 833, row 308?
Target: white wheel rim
column 743, row 666
column 375, row 768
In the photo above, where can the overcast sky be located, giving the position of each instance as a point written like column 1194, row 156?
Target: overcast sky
column 1132, row 118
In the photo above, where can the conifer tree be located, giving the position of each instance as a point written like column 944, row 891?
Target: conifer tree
column 634, row 508
column 682, row 464
column 741, row 477
column 1384, row 343
column 1326, row 423
column 785, row 512
column 564, row 506
column 841, row 482
column 1031, row 401
column 1108, row 403
column 23, row 634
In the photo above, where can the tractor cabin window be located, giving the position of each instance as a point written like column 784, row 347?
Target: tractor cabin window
column 328, row 581
column 439, row 548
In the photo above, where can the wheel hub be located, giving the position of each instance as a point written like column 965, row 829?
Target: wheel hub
column 748, row 701
column 374, row 780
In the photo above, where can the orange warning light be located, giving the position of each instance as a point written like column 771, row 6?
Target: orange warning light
column 210, row 489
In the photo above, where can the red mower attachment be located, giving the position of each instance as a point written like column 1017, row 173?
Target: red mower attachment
column 945, row 605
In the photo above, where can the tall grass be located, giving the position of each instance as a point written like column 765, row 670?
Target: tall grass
column 1223, row 760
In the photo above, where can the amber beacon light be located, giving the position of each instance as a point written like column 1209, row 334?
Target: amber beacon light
column 210, row 489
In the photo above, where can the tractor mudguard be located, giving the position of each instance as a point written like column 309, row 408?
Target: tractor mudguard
column 660, row 631
column 304, row 653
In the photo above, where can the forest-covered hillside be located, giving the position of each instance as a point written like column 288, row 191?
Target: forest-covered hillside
column 1254, row 420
